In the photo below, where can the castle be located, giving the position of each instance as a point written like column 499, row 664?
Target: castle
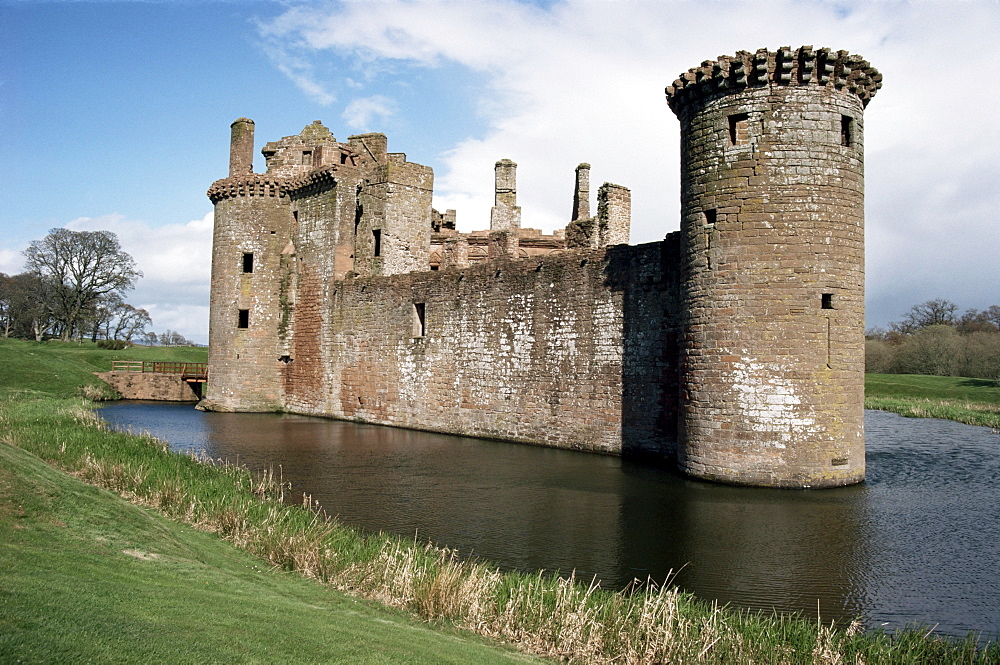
column 734, row 346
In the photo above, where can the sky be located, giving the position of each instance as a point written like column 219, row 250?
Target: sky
column 115, row 116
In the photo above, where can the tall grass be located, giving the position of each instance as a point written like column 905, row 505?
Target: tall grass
column 560, row 617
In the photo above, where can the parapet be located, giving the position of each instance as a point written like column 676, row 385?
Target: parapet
column 783, row 67
column 251, row 184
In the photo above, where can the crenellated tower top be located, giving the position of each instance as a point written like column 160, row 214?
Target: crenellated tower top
column 783, row 67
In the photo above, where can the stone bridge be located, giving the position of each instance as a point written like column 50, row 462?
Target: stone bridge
column 156, row 380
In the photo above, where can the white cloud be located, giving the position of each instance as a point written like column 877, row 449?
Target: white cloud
column 176, row 262
column 360, row 113
column 11, row 261
column 583, row 81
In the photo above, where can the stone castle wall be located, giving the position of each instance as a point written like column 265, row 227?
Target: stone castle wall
column 734, row 345
column 556, row 350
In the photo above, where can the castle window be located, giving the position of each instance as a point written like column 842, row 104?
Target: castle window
column 377, row 235
column 846, row 130
column 827, row 301
column 419, row 322
column 710, row 217
column 247, row 261
column 307, row 157
column 244, row 319
column 739, row 129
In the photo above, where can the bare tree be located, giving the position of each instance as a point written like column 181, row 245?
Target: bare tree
column 23, row 313
column 128, row 322
column 80, row 267
column 931, row 313
column 975, row 321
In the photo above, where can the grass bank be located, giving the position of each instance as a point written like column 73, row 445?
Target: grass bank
column 970, row 401
column 89, row 577
column 540, row 614
column 66, row 369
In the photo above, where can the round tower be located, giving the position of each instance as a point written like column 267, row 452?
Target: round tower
column 772, row 210
column 253, row 223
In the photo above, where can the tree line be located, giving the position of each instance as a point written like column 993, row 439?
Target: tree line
column 74, row 287
column 932, row 338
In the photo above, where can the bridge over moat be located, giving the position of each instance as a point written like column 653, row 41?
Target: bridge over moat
column 162, row 381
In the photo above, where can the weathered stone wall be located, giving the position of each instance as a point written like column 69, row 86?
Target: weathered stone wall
column 252, row 217
column 735, row 344
column 556, row 351
column 156, row 387
column 773, row 250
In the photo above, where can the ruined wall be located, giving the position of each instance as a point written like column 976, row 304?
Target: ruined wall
column 556, row 350
column 736, row 343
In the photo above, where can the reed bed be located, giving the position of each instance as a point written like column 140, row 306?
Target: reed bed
column 560, row 617
column 963, row 411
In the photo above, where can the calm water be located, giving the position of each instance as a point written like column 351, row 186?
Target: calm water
column 919, row 541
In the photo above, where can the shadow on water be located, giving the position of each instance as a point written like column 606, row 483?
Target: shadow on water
column 915, row 543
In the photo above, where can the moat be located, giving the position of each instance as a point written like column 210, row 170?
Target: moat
column 917, row 542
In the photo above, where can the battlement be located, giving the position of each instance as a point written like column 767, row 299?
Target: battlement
column 784, row 67
column 251, row 184
column 313, row 181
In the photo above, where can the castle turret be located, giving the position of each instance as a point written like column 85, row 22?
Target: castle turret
column 772, row 205
column 252, row 227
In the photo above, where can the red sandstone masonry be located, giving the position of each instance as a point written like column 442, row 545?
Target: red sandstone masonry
column 772, row 216
column 735, row 344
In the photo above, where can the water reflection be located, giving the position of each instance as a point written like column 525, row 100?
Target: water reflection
column 916, row 542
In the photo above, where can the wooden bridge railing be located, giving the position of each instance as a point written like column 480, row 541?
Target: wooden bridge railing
column 188, row 371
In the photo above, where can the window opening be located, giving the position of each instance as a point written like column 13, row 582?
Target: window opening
column 377, row 234
column 307, row 158
column 435, row 268
column 247, row 261
column 419, row 321
column 846, row 127
column 827, row 301
column 739, row 129
column 710, row 217
column 244, row 319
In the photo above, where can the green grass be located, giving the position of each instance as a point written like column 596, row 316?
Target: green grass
column 970, row 401
column 60, row 369
column 89, row 577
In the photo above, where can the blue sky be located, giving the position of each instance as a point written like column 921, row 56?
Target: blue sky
column 115, row 115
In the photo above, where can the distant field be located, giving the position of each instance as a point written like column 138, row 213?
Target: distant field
column 971, row 401
column 59, row 369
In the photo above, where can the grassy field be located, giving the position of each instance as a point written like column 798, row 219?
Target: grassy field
column 971, row 401
column 244, row 573
column 61, row 369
